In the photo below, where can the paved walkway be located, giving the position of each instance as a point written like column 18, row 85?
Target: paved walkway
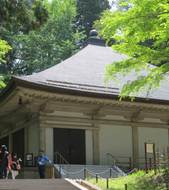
column 36, row 184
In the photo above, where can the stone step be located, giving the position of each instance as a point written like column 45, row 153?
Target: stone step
column 36, row 184
column 28, row 173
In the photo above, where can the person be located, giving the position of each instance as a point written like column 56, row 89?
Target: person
column 3, row 161
column 14, row 165
column 42, row 160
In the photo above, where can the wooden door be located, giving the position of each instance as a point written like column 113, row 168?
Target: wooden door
column 71, row 144
column 19, row 143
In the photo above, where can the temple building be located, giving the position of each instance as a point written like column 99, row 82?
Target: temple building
column 70, row 110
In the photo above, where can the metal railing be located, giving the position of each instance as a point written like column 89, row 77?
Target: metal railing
column 84, row 171
column 120, row 160
column 113, row 159
column 59, row 158
column 162, row 160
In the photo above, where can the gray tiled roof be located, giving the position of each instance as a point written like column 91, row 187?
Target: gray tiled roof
column 85, row 71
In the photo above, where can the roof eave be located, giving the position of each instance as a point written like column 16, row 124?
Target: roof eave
column 8, row 89
column 37, row 86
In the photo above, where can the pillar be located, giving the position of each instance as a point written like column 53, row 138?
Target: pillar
column 26, row 135
column 135, row 146
column 89, row 147
column 10, row 142
column 168, row 137
column 49, row 143
column 96, row 147
column 42, row 138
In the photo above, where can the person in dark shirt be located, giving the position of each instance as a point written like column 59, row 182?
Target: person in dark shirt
column 3, row 161
column 42, row 160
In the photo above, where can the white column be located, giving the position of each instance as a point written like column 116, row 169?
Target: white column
column 49, row 143
column 89, row 147
column 26, row 136
column 10, row 142
column 42, row 138
column 168, row 137
column 135, row 146
column 96, row 147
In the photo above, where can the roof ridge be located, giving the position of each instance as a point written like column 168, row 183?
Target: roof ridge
column 87, row 85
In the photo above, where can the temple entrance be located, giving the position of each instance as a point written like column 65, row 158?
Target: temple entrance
column 70, row 143
column 18, row 143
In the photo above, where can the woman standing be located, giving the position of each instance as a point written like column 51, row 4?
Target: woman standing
column 14, row 165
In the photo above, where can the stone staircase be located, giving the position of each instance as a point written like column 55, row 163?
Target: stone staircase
column 28, row 173
column 36, row 184
column 83, row 171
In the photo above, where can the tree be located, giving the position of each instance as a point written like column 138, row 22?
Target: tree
column 4, row 48
column 21, row 16
column 121, row 5
column 17, row 18
column 89, row 11
column 142, row 33
column 56, row 40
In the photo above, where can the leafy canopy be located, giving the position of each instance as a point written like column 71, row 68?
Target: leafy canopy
column 142, row 33
column 89, row 11
column 4, row 48
column 19, row 18
column 55, row 41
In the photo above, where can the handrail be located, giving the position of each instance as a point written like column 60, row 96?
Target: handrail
column 113, row 158
column 120, row 160
column 61, row 158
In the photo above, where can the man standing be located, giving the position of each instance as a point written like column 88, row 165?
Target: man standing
column 42, row 161
column 3, row 161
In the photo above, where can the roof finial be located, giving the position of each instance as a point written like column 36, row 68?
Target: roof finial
column 95, row 39
column 93, row 33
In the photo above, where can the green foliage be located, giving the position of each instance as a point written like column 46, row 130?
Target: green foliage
column 56, row 40
column 89, row 11
column 21, row 16
column 137, row 181
column 2, row 84
column 4, row 48
column 141, row 32
column 18, row 18
column 121, row 4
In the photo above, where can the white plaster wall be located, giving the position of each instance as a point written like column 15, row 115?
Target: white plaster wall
column 152, row 135
column 49, row 143
column 33, row 139
column 116, row 140
column 89, row 147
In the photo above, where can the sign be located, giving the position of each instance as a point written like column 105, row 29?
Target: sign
column 149, row 148
column 29, row 157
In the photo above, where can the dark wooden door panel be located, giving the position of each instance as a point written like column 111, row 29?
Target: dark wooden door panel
column 71, row 144
column 18, row 143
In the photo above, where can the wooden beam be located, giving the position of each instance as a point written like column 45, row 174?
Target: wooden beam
column 95, row 101
column 87, row 121
column 69, row 126
column 128, row 113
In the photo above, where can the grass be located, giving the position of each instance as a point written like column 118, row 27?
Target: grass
column 136, row 181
